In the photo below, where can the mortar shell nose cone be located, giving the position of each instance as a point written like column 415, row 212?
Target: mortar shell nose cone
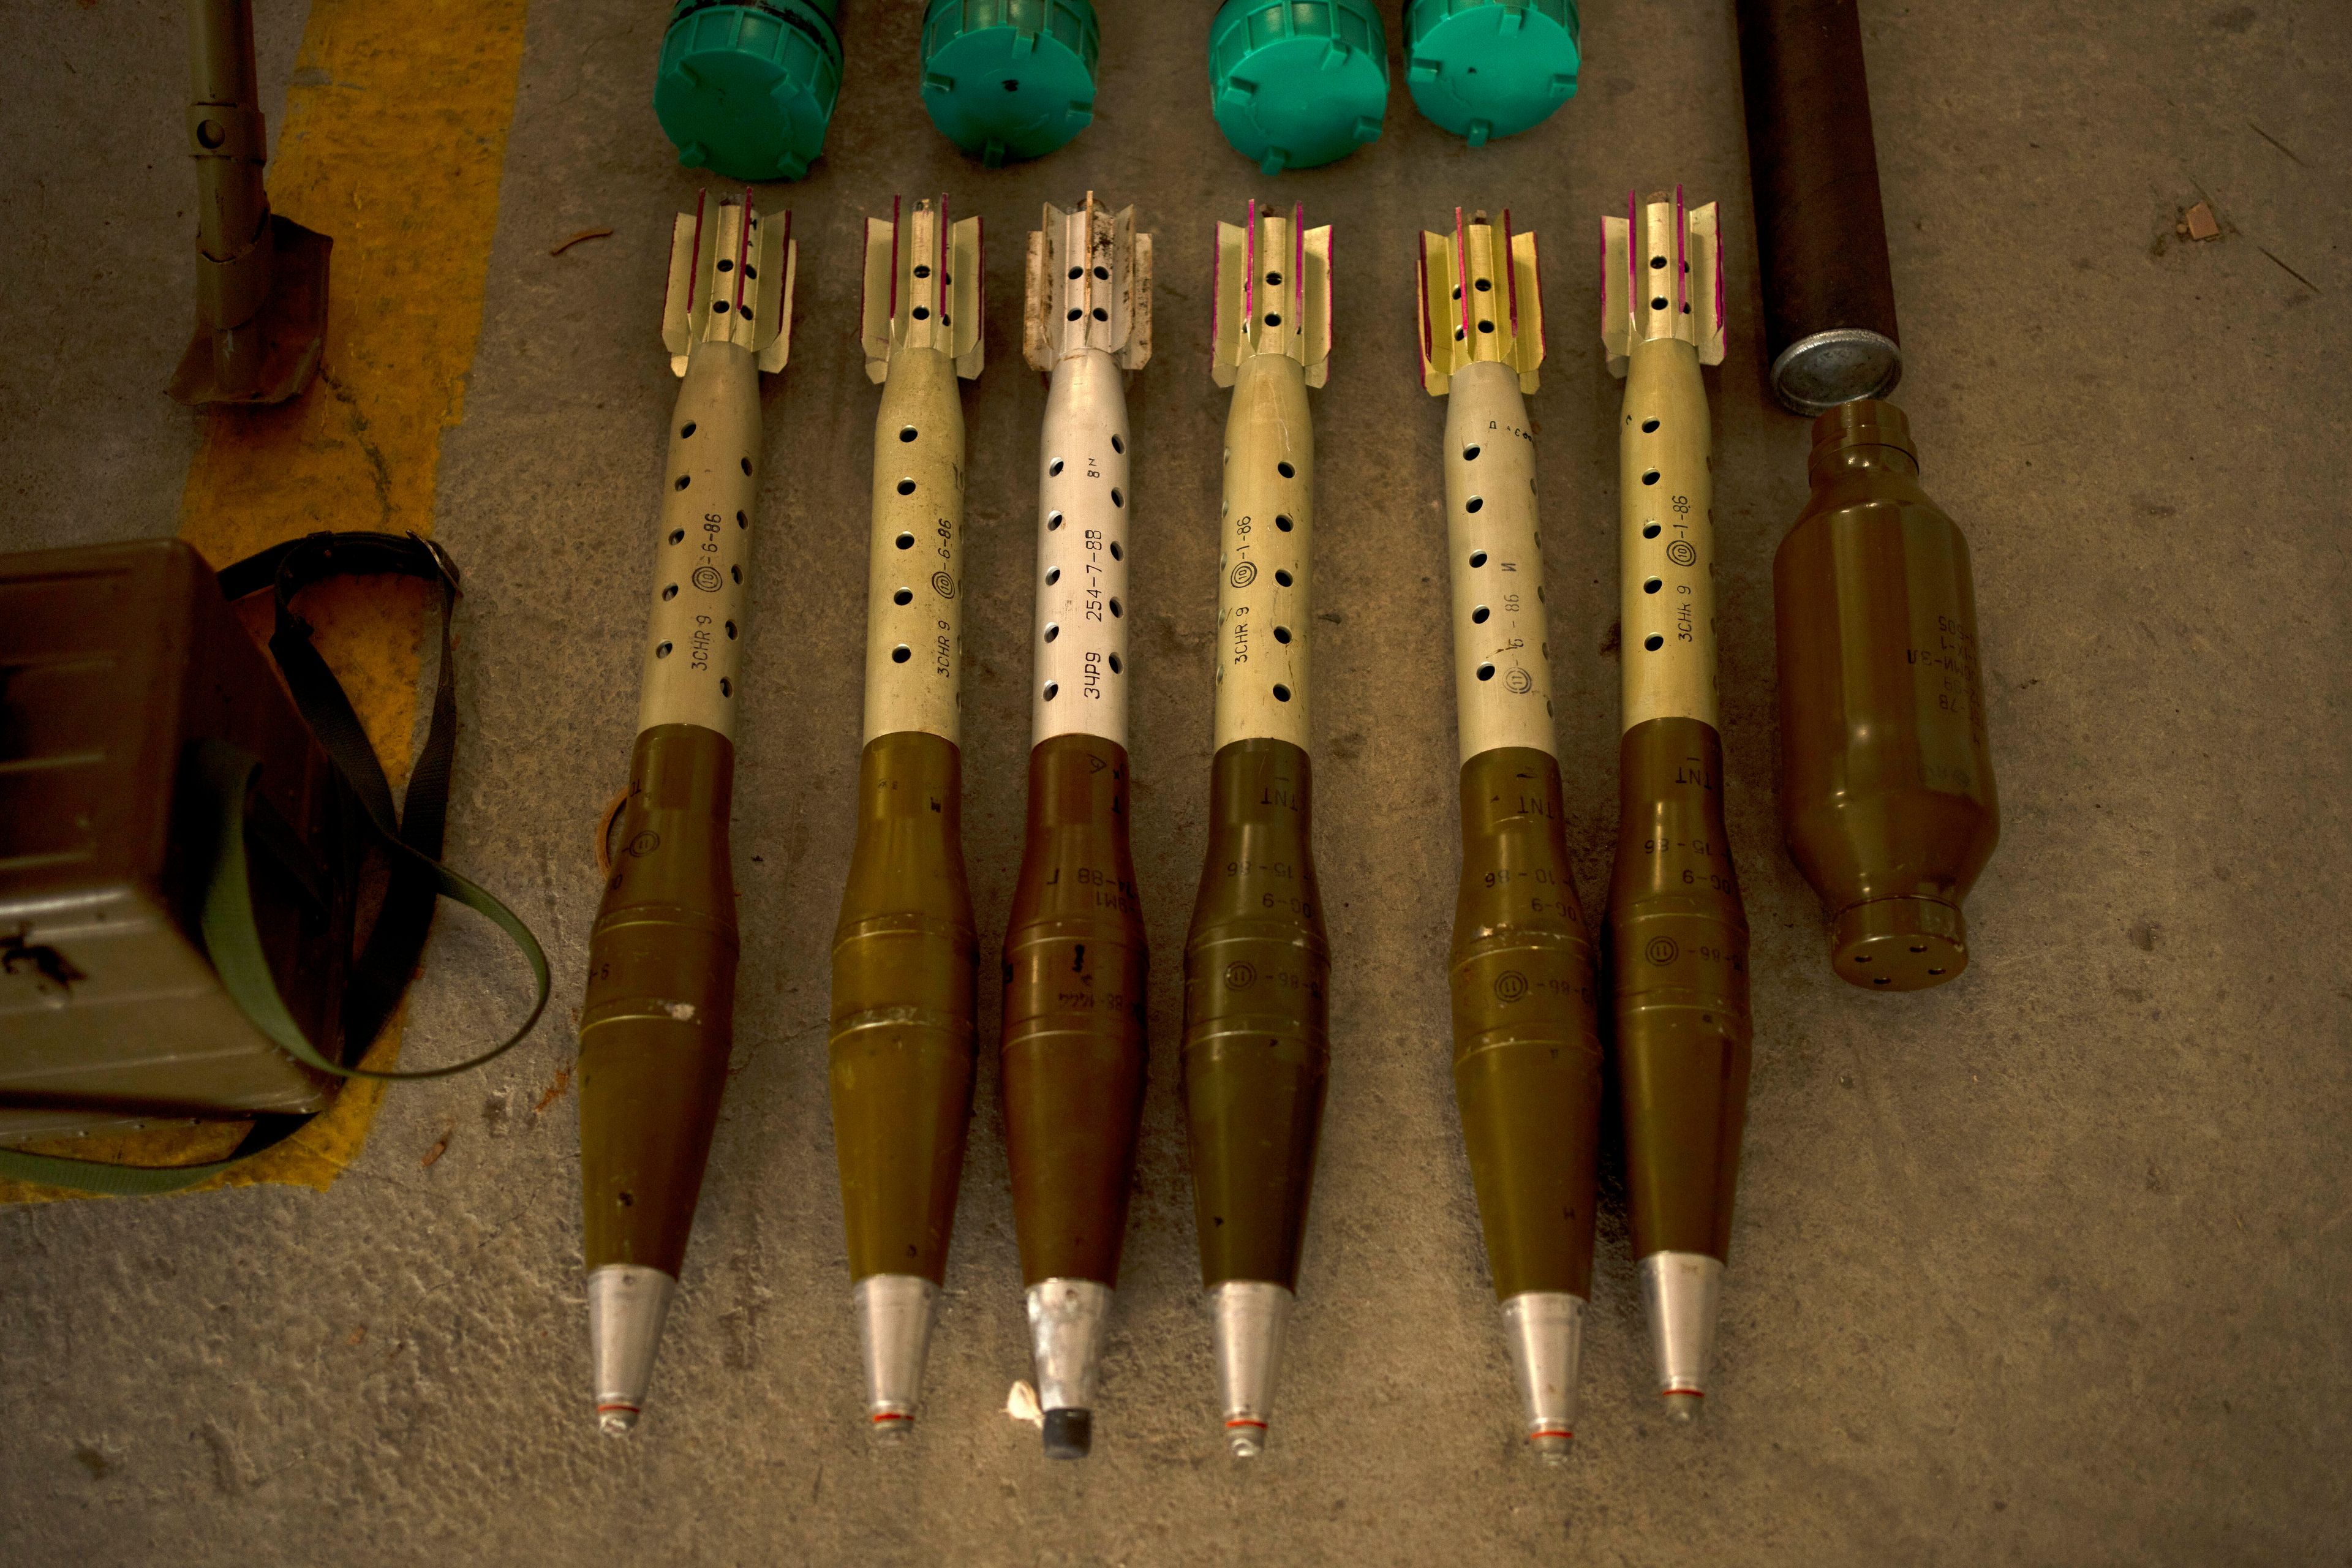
column 1069, row 1434
column 894, row 1336
column 1683, row 1293
column 1544, row 1330
column 1552, row 1447
column 1682, row 1406
column 1248, row 1320
column 627, row 1305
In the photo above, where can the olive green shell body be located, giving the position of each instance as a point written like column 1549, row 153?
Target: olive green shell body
column 659, row 1017
column 904, row 1002
column 1887, row 788
column 1527, row 1045
column 1074, row 1000
column 1257, row 974
column 1678, row 959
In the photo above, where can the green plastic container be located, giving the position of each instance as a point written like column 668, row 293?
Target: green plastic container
column 1485, row 69
column 747, row 87
column 1298, row 83
column 1010, row 78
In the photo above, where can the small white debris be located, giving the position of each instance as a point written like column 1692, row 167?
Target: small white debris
column 1022, row 1403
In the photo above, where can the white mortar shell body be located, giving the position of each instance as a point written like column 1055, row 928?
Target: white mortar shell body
column 1666, row 538
column 1502, row 658
column 1265, row 612
column 1081, row 679
column 694, row 645
column 916, row 551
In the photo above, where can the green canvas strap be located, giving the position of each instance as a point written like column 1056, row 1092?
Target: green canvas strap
column 233, row 943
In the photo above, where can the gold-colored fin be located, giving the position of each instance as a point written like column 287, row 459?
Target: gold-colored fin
column 881, row 279
column 967, row 263
column 1526, row 299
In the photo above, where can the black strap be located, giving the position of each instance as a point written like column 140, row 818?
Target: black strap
column 382, row 969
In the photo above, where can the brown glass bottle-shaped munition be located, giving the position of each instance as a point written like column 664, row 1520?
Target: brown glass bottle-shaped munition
column 1074, row 961
column 1886, row 787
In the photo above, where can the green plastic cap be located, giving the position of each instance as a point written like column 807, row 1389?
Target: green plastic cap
column 1010, row 78
column 1298, row 83
column 747, row 87
column 1485, row 69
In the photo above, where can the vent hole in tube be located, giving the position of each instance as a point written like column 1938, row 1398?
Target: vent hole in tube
column 1282, row 634
column 1282, row 521
column 1485, row 672
column 661, row 650
column 906, row 541
column 1478, row 616
column 1054, row 577
column 1469, row 454
column 1051, row 687
column 1477, row 558
column 905, row 487
column 1116, row 552
column 1651, row 477
column 901, row 654
column 730, row 631
column 1055, row 470
column 907, row 433
column 1281, row 693
column 684, row 480
column 1117, row 445
column 669, row 593
column 1650, row 531
column 1053, row 521
column 1282, row 576
column 727, row 687
column 687, row 431
column 678, row 536
column 903, row 597
column 1656, row 262
column 1115, row 666
column 1115, row 609
column 1117, row 499
column 1286, row 471
column 1653, row 642
column 1052, row 631
column 742, row 520
column 1474, row 503
column 1652, row 586
column 1648, row 426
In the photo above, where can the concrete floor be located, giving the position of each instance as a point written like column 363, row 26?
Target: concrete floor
column 2052, row 1266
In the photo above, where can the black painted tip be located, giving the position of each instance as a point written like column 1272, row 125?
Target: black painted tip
column 1069, row 1434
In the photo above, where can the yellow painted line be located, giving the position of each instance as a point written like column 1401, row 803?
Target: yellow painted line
column 394, row 137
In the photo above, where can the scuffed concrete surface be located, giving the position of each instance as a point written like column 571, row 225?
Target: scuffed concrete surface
column 2054, row 1266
